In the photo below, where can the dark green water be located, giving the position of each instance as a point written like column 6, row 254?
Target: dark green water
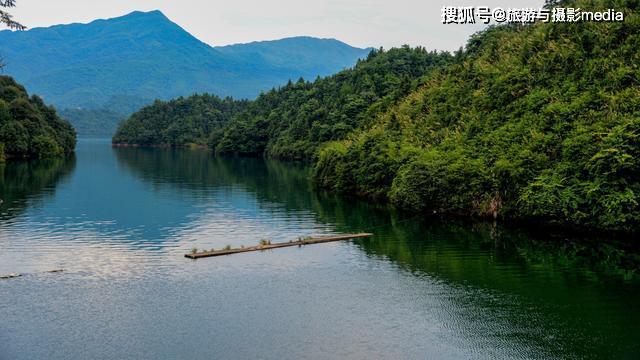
column 119, row 220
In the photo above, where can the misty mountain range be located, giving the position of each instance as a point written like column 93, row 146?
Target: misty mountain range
column 102, row 71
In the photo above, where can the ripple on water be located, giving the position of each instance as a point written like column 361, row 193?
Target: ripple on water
column 415, row 290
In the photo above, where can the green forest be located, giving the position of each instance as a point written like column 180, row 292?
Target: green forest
column 28, row 127
column 290, row 122
column 293, row 121
column 538, row 122
column 178, row 122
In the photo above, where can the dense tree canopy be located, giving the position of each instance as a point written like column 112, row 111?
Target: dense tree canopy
column 292, row 121
column 178, row 122
column 28, row 127
column 289, row 122
column 539, row 121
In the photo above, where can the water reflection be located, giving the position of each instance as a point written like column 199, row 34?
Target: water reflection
column 505, row 271
column 510, row 272
column 28, row 183
column 197, row 172
column 422, row 287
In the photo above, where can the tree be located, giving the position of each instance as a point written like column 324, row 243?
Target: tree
column 514, row 128
column 28, row 127
column 7, row 19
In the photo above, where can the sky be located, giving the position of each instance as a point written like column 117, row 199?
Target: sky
column 361, row 23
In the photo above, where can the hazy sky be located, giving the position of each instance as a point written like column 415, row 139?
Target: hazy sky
column 358, row 22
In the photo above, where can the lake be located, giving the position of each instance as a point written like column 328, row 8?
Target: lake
column 118, row 221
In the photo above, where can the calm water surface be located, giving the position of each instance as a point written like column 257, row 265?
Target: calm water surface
column 118, row 221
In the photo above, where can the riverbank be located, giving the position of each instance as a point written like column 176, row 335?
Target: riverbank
column 552, row 225
column 134, row 145
column 508, row 128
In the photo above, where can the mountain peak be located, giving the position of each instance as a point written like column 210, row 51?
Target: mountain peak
column 144, row 54
column 157, row 14
column 154, row 26
column 146, row 18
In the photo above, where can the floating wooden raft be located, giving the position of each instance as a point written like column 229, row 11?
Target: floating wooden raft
column 309, row 241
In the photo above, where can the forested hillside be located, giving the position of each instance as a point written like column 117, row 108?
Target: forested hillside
column 178, row 122
column 28, row 127
column 539, row 122
column 292, row 121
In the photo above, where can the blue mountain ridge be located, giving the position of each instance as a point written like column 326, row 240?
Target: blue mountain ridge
column 144, row 55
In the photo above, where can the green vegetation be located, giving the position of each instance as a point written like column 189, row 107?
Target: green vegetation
column 6, row 18
column 29, row 128
column 537, row 122
column 292, row 121
column 178, row 122
column 289, row 122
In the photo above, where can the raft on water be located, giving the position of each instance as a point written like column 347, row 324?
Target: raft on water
column 9, row 276
column 269, row 246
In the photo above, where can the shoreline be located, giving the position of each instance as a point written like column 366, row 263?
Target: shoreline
column 556, row 228
column 162, row 146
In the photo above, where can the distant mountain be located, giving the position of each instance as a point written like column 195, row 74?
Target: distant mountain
column 311, row 56
column 146, row 56
column 103, row 120
column 93, row 122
